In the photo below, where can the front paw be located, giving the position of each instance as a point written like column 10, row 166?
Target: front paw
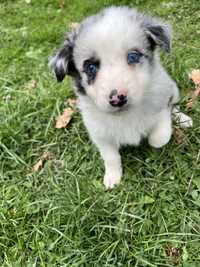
column 110, row 180
column 160, row 137
column 185, row 121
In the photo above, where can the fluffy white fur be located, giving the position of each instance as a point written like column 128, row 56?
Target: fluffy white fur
column 151, row 93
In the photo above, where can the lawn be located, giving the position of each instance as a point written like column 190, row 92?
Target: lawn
column 61, row 215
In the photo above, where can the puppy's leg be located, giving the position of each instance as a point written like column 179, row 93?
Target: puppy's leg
column 178, row 116
column 162, row 131
column 181, row 118
column 112, row 162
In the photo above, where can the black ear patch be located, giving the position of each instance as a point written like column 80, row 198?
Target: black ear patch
column 62, row 62
column 158, row 35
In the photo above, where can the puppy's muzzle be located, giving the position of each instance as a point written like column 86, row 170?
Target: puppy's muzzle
column 117, row 98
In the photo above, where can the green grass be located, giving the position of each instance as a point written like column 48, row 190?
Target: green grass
column 62, row 215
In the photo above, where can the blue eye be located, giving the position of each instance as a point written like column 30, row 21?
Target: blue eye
column 91, row 69
column 133, row 57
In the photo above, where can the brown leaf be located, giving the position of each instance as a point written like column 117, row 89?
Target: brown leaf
column 193, row 97
column 173, row 253
column 74, row 26
column 31, row 85
column 179, row 135
column 46, row 156
column 64, row 119
column 189, row 104
column 195, row 76
column 38, row 165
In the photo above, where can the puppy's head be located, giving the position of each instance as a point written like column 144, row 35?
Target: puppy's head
column 112, row 56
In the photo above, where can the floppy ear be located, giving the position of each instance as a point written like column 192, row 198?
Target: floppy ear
column 159, row 34
column 62, row 62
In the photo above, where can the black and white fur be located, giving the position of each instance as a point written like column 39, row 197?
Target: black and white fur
column 105, row 41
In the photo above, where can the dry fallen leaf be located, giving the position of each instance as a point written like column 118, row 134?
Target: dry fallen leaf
column 195, row 94
column 179, row 135
column 195, row 77
column 63, row 120
column 173, row 253
column 31, row 85
column 40, row 163
column 74, row 26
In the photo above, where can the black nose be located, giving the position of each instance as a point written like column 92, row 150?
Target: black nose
column 122, row 97
column 118, row 100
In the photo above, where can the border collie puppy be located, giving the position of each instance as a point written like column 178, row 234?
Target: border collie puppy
column 124, row 92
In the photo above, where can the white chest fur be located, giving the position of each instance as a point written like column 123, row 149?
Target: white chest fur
column 123, row 127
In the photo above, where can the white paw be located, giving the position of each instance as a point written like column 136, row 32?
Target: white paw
column 160, row 137
column 184, row 120
column 111, row 180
